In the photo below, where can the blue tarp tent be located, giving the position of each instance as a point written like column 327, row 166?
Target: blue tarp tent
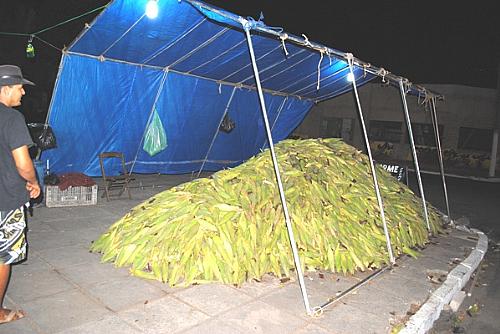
column 192, row 65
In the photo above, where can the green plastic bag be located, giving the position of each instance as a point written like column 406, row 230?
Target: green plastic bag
column 155, row 140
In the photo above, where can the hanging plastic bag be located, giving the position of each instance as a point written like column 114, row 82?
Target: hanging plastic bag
column 155, row 140
column 227, row 124
column 42, row 135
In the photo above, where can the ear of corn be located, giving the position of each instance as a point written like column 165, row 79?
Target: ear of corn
column 230, row 227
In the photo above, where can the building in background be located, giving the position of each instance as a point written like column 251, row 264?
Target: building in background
column 466, row 119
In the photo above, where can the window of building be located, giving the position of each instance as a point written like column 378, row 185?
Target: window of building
column 423, row 134
column 475, row 139
column 336, row 127
column 388, row 131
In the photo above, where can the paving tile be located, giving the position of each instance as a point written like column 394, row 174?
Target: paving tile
column 445, row 252
column 25, row 287
column 260, row 317
column 64, row 310
column 88, row 274
column 164, row 286
column 418, row 268
column 255, row 289
column 289, row 299
column 109, row 325
column 32, row 264
column 213, row 298
column 122, row 293
column 79, row 224
column 379, row 303
column 164, row 316
column 312, row 329
column 407, row 289
column 326, row 285
column 345, row 319
column 214, row 326
column 55, row 239
column 68, row 256
column 21, row 326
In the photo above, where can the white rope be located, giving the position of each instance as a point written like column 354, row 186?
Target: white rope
column 283, row 37
column 319, row 70
column 216, row 132
column 382, row 72
column 160, row 89
column 312, row 87
column 123, row 35
column 217, row 57
column 289, row 59
column 199, row 47
column 284, row 60
column 276, row 119
column 306, row 41
column 166, row 47
column 250, row 65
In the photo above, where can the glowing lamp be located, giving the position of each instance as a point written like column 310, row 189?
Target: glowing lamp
column 152, row 9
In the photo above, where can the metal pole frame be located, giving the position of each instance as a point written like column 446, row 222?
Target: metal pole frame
column 435, row 124
column 296, row 258
column 414, row 152
column 226, row 110
column 350, row 59
column 150, row 118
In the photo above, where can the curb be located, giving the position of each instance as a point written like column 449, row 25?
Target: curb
column 422, row 321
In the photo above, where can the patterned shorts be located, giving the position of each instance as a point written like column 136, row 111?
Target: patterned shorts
column 12, row 236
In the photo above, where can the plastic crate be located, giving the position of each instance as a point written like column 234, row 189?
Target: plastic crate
column 73, row 196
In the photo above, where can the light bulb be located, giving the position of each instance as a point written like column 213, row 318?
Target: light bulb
column 152, row 9
column 350, row 77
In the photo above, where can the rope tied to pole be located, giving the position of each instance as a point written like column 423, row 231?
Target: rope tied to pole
column 319, row 68
column 306, row 41
column 283, row 37
column 382, row 72
column 365, row 66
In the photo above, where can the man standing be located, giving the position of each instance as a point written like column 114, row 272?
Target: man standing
column 17, row 179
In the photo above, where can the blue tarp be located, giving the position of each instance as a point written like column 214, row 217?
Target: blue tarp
column 192, row 64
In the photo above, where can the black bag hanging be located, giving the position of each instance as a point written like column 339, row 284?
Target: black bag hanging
column 227, row 124
column 42, row 136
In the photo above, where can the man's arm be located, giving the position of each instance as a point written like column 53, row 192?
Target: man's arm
column 26, row 170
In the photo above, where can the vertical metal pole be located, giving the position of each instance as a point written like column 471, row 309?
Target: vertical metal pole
column 414, row 152
column 296, row 257
column 160, row 89
column 56, row 86
column 493, row 157
column 440, row 152
column 372, row 166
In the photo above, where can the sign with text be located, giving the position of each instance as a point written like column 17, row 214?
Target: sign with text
column 399, row 172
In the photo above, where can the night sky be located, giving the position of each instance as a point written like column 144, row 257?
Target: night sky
column 427, row 42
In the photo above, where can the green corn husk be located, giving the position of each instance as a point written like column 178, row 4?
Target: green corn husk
column 230, row 227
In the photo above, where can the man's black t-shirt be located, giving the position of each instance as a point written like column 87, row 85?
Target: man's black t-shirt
column 13, row 134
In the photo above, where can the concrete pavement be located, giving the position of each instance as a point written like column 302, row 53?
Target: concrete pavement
column 65, row 289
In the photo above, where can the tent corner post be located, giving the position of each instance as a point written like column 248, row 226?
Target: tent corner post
column 440, row 153
column 414, row 152
column 298, row 267
column 350, row 61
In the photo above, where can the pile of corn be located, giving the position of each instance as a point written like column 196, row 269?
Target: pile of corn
column 230, row 227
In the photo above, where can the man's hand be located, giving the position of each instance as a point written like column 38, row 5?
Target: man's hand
column 33, row 189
